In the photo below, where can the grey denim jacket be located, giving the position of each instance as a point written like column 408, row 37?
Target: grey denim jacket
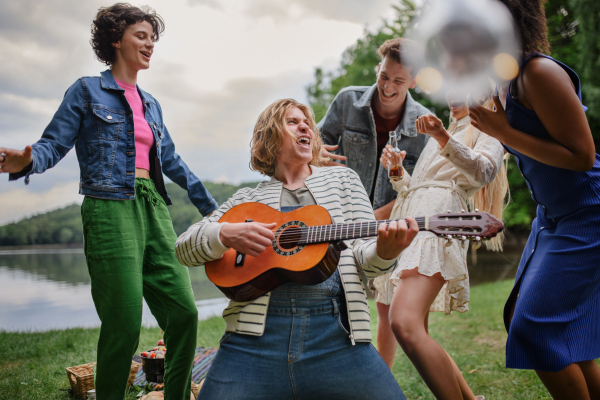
column 349, row 123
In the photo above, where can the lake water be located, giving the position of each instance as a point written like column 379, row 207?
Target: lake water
column 50, row 289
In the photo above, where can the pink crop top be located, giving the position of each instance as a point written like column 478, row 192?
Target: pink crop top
column 144, row 138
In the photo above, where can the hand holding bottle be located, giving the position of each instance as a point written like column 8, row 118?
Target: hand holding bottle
column 390, row 157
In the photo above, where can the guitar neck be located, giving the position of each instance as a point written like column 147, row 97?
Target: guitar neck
column 347, row 231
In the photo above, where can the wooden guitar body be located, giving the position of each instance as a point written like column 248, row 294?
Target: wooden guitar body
column 282, row 262
column 307, row 246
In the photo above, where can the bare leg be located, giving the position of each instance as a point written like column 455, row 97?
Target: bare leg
column 566, row 384
column 591, row 373
column 386, row 341
column 464, row 387
column 466, row 391
column 408, row 312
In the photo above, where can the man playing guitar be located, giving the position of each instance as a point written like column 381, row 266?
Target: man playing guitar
column 298, row 341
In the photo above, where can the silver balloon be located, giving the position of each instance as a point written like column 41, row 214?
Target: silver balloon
column 464, row 43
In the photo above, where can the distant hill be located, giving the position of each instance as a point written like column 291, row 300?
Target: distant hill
column 63, row 226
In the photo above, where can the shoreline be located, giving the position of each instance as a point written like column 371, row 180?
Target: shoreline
column 58, row 246
column 513, row 241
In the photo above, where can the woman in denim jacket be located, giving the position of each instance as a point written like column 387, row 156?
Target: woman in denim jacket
column 123, row 147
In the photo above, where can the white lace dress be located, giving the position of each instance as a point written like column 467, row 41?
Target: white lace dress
column 443, row 179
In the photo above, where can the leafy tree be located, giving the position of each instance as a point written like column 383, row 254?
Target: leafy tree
column 183, row 213
column 358, row 66
column 562, row 27
column 59, row 226
column 521, row 210
column 586, row 21
column 574, row 38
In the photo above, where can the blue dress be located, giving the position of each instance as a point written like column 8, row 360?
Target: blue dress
column 556, row 320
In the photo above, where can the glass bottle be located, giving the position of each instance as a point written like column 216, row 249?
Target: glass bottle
column 395, row 171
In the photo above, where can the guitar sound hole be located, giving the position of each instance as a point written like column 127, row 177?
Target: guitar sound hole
column 289, row 238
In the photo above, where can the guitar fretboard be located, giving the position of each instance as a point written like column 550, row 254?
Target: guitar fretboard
column 346, row 231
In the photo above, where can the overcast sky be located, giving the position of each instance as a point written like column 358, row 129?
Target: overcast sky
column 218, row 65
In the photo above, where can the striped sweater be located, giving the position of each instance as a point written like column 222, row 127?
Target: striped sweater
column 337, row 189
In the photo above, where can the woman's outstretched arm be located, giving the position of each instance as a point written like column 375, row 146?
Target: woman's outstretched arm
column 546, row 89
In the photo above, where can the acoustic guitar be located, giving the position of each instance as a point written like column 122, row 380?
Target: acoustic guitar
column 307, row 246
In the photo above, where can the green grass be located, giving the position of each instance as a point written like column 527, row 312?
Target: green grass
column 32, row 365
column 476, row 341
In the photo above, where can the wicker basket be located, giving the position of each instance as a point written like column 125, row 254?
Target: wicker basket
column 81, row 378
column 196, row 388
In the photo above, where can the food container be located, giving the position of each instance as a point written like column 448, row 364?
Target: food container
column 81, row 378
column 154, row 368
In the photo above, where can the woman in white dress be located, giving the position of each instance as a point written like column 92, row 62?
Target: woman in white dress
column 461, row 166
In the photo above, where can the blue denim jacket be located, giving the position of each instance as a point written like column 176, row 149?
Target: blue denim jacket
column 95, row 117
column 349, row 123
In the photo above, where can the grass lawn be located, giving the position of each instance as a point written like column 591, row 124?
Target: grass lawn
column 33, row 365
column 476, row 341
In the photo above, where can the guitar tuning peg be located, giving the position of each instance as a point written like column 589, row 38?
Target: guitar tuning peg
column 448, row 240
column 448, row 211
column 462, row 211
column 477, row 242
column 463, row 238
column 477, row 210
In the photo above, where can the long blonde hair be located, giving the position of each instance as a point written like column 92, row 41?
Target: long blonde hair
column 269, row 132
column 493, row 197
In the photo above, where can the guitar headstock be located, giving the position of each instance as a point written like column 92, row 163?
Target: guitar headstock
column 469, row 224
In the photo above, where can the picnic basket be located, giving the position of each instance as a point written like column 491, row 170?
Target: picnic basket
column 81, row 378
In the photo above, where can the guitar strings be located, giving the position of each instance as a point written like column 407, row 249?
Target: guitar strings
column 321, row 231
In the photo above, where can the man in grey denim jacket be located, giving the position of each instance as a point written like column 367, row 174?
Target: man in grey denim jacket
column 360, row 115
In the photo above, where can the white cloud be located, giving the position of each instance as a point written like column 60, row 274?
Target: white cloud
column 31, row 105
column 209, row 3
column 355, row 11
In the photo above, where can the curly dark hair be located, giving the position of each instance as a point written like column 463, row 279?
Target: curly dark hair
column 111, row 22
column 530, row 19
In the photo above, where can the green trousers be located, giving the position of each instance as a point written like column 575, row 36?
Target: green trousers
column 130, row 253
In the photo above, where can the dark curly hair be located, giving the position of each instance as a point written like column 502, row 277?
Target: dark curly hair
column 111, row 22
column 530, row 19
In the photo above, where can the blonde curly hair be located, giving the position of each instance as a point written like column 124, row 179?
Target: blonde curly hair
column 269, row 132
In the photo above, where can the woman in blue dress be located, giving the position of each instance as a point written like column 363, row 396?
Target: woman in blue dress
column 553, row 313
